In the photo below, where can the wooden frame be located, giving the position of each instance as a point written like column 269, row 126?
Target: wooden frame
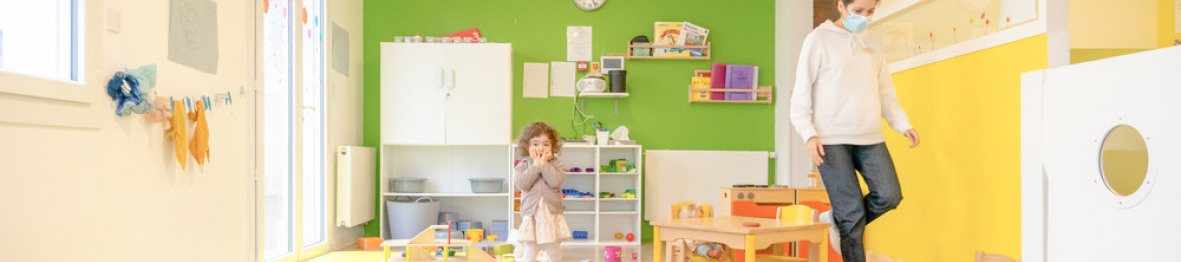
column 704, row 50
column 763, row 95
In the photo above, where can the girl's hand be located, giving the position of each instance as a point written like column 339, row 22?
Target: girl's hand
column 536, row 156
column 913, row 136
column 815, row 150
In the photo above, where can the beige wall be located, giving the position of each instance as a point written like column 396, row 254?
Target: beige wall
column 1104, row 24
column 116, row 193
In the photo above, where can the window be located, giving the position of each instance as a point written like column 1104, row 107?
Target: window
column 313, row 127
column 41, row 38
column 277, row 129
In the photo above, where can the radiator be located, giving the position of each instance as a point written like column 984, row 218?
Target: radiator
column 356, row 169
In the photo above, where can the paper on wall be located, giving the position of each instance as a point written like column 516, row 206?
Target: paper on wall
column 192, row 34
column 340, row 49
column 536, row 82
column 578, row 43
column 1017, row 11
column 562, row 83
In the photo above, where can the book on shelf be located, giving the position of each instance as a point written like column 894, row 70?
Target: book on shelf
column 668, row 33
column 740, row 77
column 700, row 82
column 692, row 34
column 718, row 81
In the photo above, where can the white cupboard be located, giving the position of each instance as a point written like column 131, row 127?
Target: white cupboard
column 446, row 94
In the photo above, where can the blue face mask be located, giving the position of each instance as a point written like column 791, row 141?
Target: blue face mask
column 856, row 23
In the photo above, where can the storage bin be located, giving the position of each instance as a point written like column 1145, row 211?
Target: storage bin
column 464, row 225
column 407, row 185
column 499, row 225
column 487, row 185
column 407, row 218
column 447, row 216
column 442, row 234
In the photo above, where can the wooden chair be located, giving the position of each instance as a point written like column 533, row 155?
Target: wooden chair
column 706, row 211
column 982, row 257
column 794, row 213
column 870, row 256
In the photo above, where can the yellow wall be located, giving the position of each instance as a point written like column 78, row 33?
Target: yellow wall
column 961, row 186
column 1166, row 31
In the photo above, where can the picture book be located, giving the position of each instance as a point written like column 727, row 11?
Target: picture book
column 692, row 34
column 719, row 81
column 700, row 82
column 667, row 33
column 740, row 77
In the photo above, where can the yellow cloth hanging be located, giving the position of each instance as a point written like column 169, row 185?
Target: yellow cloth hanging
column 200, row 144
column 179, row 133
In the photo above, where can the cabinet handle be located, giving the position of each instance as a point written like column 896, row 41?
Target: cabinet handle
column 442, row 77
column 453, row 79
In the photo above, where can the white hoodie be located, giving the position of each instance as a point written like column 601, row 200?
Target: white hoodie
column 843, row 89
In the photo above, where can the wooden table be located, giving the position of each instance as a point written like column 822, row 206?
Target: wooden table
column 729, row 230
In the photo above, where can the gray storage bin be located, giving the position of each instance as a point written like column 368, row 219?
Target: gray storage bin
column 487, row 185
column 409, row 217
column 407, row 185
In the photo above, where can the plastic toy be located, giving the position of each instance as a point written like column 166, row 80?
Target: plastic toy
column 575, row 170
column 579, row 234
column 613, row 254
column 590, row 170
column 619, row 235
column 631, row 237
column 751, row 224
column 630, row 193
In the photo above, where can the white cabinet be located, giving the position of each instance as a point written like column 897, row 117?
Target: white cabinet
column 446, row 94
column 446, row 115
column 601, row 218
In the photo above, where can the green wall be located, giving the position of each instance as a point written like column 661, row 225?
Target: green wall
column 657, row 111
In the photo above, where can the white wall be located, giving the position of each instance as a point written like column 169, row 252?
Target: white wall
column 793, row 22
column 116, row 192
column 1100, row 24
column 344, row 106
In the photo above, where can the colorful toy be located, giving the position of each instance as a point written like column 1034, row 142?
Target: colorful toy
column 590, row 170
column 575, row 170
column 631, row 237
column 579, row 234
column 630, row 193
column 613, row 253
column 619, row 235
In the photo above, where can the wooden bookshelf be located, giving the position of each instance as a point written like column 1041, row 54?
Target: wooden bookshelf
column 704, row 50
column 762, row 95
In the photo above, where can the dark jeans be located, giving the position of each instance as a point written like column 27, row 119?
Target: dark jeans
column 851, row 212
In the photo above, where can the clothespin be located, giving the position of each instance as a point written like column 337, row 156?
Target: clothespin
column 229, row 98
column 171, row 104
column 208, row 105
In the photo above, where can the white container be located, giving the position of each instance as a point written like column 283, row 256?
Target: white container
column 407, row 217
column 487, row 185
column 407, row 185
column 602, row 138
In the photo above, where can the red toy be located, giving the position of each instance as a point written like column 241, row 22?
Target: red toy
column 630, row 237
column 751, row 224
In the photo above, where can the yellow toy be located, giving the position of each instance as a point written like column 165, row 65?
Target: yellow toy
column 200, row 145
column 179, row 133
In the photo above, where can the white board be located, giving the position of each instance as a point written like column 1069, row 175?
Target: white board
column 698, row 176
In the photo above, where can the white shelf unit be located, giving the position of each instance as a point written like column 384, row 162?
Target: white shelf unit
column 600, row 217
column 447, row 170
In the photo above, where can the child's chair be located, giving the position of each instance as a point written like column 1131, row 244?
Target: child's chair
column 792, row 213
column 982, row 257
column 679, row 250
column 870, row 256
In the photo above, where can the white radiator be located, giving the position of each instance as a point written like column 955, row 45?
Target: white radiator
column 675, row 176
column 356, row 169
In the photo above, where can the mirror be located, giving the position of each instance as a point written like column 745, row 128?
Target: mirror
column 1123, row 160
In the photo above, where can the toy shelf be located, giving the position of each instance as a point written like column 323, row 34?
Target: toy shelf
column 762, row 95
column 704, row 50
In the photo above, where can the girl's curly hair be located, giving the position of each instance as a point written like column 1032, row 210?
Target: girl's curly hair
column 536, row 129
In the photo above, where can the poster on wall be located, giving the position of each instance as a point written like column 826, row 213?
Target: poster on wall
column 340, row 49
column 578, row 43
column 1015, row 12
column 192, row 34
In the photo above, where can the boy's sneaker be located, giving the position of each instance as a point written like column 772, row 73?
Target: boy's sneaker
column 834, row 237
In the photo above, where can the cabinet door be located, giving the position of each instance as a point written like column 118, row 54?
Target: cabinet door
column 413, row 99
column 479, row 107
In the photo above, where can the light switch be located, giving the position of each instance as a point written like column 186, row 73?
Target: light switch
column 114, row 21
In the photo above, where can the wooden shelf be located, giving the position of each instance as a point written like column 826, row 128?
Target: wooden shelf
column 762, row 95
column 602, row 95
column 705, row 50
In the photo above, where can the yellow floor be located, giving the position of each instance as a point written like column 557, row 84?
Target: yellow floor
column 349, row 256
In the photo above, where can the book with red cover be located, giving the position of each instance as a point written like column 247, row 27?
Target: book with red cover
column 718, row 80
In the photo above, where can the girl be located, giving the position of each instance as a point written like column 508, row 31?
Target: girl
column 843, row 90
column 539, row 177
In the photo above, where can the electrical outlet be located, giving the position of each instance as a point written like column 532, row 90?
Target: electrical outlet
column 114, row 21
